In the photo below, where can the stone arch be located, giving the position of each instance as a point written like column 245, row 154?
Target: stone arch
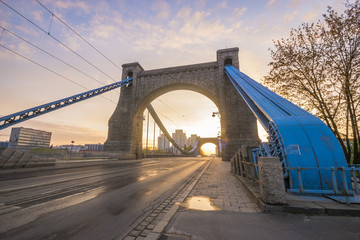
column 173, row 87
column 238, row 125
column 203, row 141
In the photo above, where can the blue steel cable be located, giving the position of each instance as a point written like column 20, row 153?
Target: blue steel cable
column 27, row 114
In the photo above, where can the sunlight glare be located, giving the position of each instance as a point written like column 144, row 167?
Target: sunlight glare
column 209, row 149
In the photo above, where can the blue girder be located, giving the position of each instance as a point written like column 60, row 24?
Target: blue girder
column 18, row 117
column 297, row 137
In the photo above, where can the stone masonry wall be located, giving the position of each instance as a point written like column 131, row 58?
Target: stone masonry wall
column 238, row 125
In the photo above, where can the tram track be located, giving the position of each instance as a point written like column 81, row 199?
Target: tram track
column 41, row 185
column 33, row 195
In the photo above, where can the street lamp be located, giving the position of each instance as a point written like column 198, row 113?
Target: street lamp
column 216, row 114
column 71, row 148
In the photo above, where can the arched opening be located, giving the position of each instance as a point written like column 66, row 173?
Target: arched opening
column 129, row 74
column 228, row 61
column 186, row 115
column 208, row 149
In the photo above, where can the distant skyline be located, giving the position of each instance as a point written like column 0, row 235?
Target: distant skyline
column 156, row 33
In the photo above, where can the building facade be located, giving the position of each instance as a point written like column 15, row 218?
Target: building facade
column 163, row 143
column 180, row 138
column 27, row 138
column 94, row 147
column 191, row 141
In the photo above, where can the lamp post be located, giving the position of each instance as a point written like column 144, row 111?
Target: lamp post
column 219, row 134
column 71, row 148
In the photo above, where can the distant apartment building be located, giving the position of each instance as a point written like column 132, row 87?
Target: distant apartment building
column 72, row 148
column 180, row 138
column 191, row 141
column 94, row 147
column 163, row 143
column 27, row 138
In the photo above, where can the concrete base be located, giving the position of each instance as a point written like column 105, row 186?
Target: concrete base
column 271, row 180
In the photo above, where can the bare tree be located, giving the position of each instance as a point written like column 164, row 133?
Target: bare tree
column 318, row 67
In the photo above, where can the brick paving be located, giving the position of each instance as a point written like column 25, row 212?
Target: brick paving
column 225, row 191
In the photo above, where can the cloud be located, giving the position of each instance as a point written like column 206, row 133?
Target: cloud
column 222, row 5
column 311, row 16
column 72, row 4
column 37, row 15
column 271, row 2
column 238, row 12
column 162, row 9
column 290, row 16
column 295, row 4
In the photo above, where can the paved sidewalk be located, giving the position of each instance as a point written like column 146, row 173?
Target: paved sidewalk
column 225, row 191
column 229, row 211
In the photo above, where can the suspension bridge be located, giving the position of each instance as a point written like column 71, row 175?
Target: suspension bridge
column 311, row 157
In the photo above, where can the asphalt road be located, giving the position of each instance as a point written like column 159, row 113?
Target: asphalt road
column 98, row 200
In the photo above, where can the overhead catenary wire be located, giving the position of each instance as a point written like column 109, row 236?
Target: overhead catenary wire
column 187, row 123
column 53, row 56
column 48, row 69
column 57, row 40
column 63, row 22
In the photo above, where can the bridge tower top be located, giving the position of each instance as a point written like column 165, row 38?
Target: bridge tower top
column 228, row 56
column 131, row 69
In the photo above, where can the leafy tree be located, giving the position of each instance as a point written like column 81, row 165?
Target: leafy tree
column 318, row 67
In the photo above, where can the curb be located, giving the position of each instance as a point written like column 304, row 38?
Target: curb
column 300, row 207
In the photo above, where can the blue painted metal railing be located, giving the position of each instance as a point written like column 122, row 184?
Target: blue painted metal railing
column 21, row 116
column 297, row 137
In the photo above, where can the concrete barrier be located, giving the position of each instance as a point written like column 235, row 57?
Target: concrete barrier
column 271, row 180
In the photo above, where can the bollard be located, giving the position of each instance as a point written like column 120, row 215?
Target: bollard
column 271, row 180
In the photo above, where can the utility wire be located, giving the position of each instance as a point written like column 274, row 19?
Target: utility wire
column 39, row 48
column 54, row 15
column 174, row 111
column 48, row 69
column 57, row 40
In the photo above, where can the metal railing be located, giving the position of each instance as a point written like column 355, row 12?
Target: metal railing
column 244, row 168
column 354, row 172
column 344, row 180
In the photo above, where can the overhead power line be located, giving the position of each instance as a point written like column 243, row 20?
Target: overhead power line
column 57, row 40
column 54, row 15
column 48, row 69
column 53, row 56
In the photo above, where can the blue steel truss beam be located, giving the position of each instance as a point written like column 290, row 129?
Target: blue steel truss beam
column 297, row 137
column 21, row 116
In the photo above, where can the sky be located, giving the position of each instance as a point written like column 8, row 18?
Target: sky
column 155, row 33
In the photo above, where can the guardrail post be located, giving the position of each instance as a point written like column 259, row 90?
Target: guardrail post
column 271, row 181
column 240, row 162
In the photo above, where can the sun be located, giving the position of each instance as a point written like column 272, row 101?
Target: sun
column 209, row 149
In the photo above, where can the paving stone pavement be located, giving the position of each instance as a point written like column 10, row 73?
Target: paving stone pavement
column 225, row 191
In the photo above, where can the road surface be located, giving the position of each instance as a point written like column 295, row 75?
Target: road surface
column 97, row 200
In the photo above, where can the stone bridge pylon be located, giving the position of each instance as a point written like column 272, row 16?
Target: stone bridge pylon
column 238, row 124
